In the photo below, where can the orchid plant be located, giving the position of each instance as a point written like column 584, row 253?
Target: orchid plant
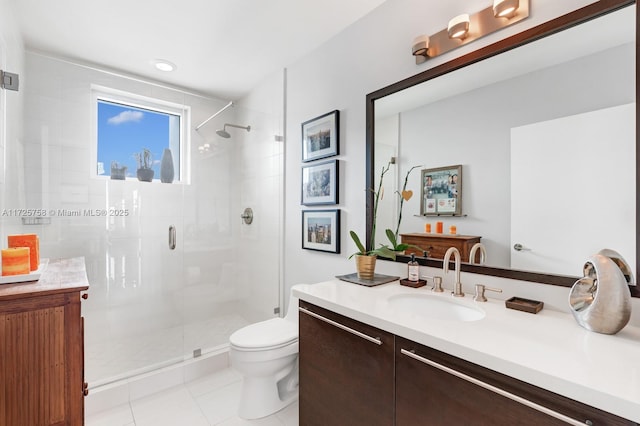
column 404, row 195
column 383, row 250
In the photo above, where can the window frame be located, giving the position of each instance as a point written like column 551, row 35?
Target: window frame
column 106, row 94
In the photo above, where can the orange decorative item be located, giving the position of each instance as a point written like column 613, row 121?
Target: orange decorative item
column 427, row 228
column 27, row 240
column 439, row 227
column 453, row 230
column 15, row 261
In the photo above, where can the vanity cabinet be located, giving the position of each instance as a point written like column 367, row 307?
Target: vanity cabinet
column 434, row 388
column 355, row 374
column 41, row 348
column 346, row 370
column 438, row 244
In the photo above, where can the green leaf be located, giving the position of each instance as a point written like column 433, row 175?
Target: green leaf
column 392, row 237
column 384, row 251
column 356, row 240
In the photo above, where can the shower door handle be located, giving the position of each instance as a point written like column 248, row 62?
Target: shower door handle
column 172, row 237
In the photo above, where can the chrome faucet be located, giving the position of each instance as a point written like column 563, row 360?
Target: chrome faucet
column 483, row 253
column 457, row 290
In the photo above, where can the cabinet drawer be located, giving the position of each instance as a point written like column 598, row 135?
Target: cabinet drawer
column 434, row 388
column 438, row 244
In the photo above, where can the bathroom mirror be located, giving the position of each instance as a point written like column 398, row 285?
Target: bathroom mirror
column 501, row 98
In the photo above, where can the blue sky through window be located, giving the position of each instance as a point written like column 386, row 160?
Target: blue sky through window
column 124, row 130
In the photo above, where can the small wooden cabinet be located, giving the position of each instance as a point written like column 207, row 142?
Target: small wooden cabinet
column 437, row 244
column 346, row 371
column 41, row 348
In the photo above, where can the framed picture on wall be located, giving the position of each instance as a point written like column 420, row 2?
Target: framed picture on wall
column 321, row 230
column 441, row 191
column 320, row 136
column 320, row 183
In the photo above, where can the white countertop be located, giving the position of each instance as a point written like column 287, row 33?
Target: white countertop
column 548, row 349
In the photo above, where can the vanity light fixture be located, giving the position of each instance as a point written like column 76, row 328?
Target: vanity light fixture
column 466, row 28
column 505, row 8
column 421, row 47
column 459, row 26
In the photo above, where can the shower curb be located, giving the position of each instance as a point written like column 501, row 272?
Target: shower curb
column 111, row 395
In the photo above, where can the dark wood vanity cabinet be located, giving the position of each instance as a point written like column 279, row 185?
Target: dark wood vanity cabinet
column 355, row 374
column 437, row 244
column 346, row 371
column 434, row 388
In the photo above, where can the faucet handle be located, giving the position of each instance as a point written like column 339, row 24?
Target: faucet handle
column 437, row 285
column 480, row 288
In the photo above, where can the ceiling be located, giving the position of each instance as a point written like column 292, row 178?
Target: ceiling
column 221, row 47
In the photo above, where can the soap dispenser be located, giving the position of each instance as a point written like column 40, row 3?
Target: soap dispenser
column 413, row 269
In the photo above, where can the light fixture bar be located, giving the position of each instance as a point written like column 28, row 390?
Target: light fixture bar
column 480, row 24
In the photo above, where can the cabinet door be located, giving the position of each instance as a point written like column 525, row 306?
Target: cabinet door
column 346, row 371
column 433, row 388
column 40, row 356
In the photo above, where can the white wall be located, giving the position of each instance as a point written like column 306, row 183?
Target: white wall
column 372, row 53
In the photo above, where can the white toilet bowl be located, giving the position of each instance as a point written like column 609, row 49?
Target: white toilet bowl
column 266, row 354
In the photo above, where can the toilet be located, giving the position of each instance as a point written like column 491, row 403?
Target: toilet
column 266, row 354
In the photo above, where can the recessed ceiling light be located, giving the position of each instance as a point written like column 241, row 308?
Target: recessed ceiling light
column 164, row 65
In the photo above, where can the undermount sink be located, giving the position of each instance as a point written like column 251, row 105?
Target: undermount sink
column 434, row 307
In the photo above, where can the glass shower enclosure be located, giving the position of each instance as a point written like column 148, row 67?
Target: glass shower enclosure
column 150, row 304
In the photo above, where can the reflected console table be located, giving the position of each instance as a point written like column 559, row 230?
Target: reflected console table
column 437, row 244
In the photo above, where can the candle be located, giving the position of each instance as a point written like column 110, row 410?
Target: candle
column 427, row 228
column 452, row 230
column 439, row 226
column 15, row 261
column 31, row 241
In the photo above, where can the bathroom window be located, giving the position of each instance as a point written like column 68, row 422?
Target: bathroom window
column 133, row 134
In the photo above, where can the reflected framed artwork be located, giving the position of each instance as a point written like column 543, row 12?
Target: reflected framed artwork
column 441, row 191
column 321, row 230
column 320, row 183
column 321, row 136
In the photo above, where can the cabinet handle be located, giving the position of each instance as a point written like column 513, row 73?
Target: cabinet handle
column 495, row 389
column 172, row 237
column 85, row 296
column 375, row 340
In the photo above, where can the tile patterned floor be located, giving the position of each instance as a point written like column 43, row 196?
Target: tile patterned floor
column 209, row 401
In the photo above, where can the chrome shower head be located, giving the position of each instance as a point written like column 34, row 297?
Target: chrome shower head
column 223, row 132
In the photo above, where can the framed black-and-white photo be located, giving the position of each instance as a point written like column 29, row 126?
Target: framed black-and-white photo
column 441, row 191
column 320, row 136
column 321, row 230
column 320, row 183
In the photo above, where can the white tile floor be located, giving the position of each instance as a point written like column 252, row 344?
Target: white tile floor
column 112, row 359
column 208, row 401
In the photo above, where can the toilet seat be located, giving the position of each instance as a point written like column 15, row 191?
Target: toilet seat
column 271, row 334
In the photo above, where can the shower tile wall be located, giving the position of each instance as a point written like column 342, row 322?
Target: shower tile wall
column 148, row 305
